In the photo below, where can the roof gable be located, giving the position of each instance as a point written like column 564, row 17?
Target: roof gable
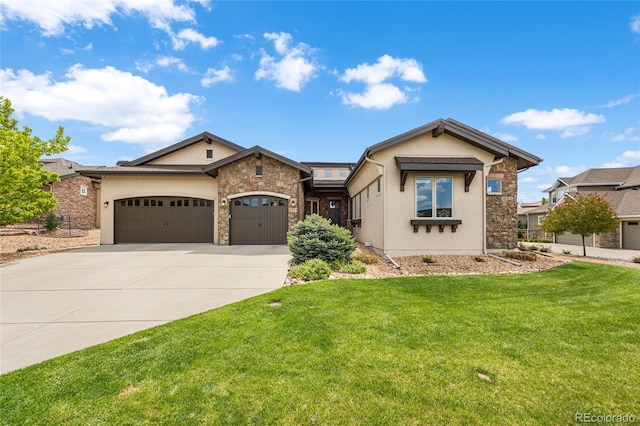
column 257, row 151
column 204, row 136
column 460, row 131
column 62, row 167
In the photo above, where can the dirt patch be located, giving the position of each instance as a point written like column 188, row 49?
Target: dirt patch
column 14, row 240
column 463, row 265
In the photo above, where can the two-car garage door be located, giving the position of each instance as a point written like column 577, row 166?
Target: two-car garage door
column 164, row 220
column 254, row 220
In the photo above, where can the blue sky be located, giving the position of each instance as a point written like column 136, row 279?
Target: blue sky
column 321, row 81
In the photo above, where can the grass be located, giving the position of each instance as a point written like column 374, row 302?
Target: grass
column 510, row 349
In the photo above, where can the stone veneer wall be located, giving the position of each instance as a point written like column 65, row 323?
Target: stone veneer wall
column 240, row 176
column 609, row 240
column 502, row 210
column 80, row 208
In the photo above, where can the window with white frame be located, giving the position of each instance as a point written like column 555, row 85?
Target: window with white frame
column 434, row 197
column 328, row 173
column 83, row 191
column 343, row 173
column 494, row 186
column 313, row 206
column 540, row 219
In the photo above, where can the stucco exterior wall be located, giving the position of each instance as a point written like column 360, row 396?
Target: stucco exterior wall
column 400, row 240
column 118, row 187
column 277, row 179
column 196, row 154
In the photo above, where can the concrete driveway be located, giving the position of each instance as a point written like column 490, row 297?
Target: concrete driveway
column 56, row 304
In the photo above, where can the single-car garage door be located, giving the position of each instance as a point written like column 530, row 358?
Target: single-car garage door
column 164, row 220
column 258, row 220
column 573, row 239
column 631, row 235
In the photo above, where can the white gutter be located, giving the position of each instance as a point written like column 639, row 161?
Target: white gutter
column 484, row 203
column 384, row 203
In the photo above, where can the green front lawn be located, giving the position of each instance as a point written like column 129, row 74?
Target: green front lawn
column 510, row 349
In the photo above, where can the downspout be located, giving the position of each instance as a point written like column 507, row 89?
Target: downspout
column 384, row 203
column 484, row 204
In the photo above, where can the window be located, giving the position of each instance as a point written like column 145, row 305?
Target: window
column 328, row 173
column 367, row 192
column 432, row 192
column 356, row 203
column 344, row 173
column 313, row 207
column 540, row 219
column 494, row 186
column 315, row 173
column 259, row 171
column 209, row 153
column 378, row 186
column 83, row 191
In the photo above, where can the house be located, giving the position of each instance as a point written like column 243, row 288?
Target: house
column 77, row 195
column 524, row 208
column 534, row 218
column 443, row 187
column 621, row 187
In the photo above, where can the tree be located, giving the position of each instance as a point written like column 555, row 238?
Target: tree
column 581, row 214
column 22, row 179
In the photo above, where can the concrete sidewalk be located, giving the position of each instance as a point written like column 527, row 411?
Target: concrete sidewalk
column 56, row 304
column 601, row 253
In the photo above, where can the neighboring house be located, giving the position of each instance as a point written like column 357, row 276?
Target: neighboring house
column 441, row 188
column 526, row 207
column 621, row 187
column 534, row 218
column 77, row 195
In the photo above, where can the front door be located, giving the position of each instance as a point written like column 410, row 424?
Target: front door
column 335, row 212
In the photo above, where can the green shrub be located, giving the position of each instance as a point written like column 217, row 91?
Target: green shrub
column 427, row 259
column 51, row 221
column 352, row 267
column 479, row 259
column 311, row 270
column 317, row 238
column 567, row 252
column 545, row 249
column 635, row 259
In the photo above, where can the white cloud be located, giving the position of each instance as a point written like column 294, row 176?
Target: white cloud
column 386, row 68
column 528, row 179
column 214, row 76
column 293, row 70
column 378, row 96
column 189, row 35
column 556, row 119
column 628, row 158
column 75, row 149
column 620, row 101
column 543, row 186
column 571, row 121
column 168, row 61
column 506, row 137
column 627, row 135
column 379, row 93
column 635, row 24
column 541, row 137
column 53, row 16
column 130, row 108
column 162, row 61
column 559, row 171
